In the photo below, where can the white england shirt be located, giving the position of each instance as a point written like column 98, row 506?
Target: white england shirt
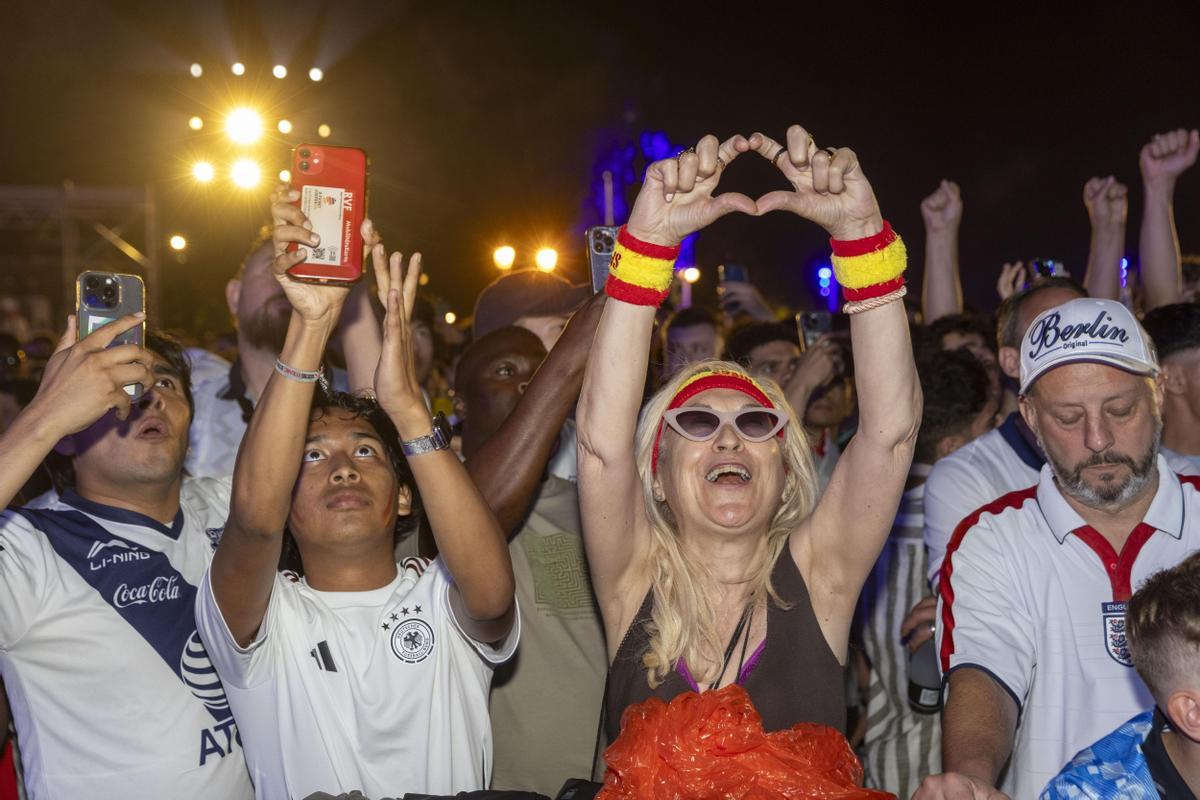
column 999, row 462
column 111, row 690
column 379, row 691
column 1034, row 597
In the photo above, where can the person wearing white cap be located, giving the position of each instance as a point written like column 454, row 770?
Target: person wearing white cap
column 1031, row 618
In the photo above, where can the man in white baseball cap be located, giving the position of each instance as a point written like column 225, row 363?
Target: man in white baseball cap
column 1034, row 585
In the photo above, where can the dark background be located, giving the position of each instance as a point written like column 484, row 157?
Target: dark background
column 484, row 121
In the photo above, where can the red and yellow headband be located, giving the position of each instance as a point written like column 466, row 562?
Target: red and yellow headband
column 701, row 382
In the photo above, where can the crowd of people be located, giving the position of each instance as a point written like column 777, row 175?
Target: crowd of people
column 371, row 552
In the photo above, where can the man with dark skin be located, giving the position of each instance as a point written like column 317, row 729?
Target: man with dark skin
column 545, row 704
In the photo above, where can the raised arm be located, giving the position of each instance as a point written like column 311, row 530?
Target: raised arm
column 469, row 539
column 358, row 328
column 268, row 462
column 1162, row 161
column 508, row 467
column 941, row 289
column 829, row 188
column 676, row 199
column 1107, row 204
column 82, row 382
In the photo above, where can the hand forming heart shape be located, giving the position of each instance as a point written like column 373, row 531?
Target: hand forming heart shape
column 828, row 188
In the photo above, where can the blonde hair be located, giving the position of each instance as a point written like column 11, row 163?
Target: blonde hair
column 683, row 621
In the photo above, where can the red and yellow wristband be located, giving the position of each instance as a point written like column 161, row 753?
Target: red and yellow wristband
column 640, row 273
column 870, row 270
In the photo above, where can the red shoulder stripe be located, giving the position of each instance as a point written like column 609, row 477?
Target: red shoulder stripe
column 1011, row 500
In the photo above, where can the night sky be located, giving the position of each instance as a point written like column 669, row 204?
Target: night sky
column 485, row 121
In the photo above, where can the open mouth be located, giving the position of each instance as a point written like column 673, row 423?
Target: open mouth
column 153, row 430
column 728, row 475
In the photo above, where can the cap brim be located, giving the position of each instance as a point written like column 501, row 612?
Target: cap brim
column 1133, row 365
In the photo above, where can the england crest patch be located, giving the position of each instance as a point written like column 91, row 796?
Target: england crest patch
column 1116, row 641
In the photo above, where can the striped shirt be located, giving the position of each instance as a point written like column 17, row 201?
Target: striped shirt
column 901, row 746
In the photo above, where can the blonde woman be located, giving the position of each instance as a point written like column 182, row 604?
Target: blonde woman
column 711, row 556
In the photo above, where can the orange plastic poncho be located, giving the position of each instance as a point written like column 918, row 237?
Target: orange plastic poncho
column 713, row 745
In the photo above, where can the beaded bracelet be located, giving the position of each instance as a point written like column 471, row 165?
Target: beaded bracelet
column 304, row 376
column 640, row 273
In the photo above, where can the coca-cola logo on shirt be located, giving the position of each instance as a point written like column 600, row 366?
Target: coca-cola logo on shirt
column 1049, row 334
column 160, row 590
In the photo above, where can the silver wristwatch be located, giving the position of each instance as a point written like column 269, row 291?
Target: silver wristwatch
column 437, row 439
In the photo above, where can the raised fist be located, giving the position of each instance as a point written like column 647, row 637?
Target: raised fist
column 828, row 185
column 1169, row 155
column 943, row 209
column 1107, row 202
column 676, row 198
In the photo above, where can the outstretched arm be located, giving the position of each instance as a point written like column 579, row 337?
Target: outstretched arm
column 941, row 290
column 508, row 467
column 676, row 199
column 830, row 189
column 469, row 540
column 1162, row 161
column 268, row 462
column 1107, row 206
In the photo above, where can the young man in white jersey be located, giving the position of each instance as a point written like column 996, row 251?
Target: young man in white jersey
column 111, row 690
column 361, row 675
column 1034, row 585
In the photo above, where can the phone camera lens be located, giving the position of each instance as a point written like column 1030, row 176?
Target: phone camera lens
column 304, row 166
column 305, row 153
column 91, row 282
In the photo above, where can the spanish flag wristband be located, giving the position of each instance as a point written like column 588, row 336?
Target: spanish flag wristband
column 872, row 267
column 640, row 273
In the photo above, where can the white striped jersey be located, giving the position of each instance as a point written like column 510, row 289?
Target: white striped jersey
column 1035, row 597
column 112, row 692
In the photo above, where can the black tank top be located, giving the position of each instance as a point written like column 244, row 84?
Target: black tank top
column 796, row 677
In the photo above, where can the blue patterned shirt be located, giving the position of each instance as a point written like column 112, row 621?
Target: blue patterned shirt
column 1113, row 768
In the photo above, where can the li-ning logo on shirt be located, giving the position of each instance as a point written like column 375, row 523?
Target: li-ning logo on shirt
column 1047, row 336
column 412, row 639
column 160, row 590
column 114, row 551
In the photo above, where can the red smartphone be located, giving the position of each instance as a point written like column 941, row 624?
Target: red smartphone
column 332, row 182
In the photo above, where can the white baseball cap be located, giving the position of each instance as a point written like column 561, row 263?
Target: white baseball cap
column 1086, row 329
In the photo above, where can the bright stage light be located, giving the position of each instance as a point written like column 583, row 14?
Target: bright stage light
column 825, row 272
column 243, row 125
column 195, row 123
column 546, row 259
column 203, row 171
column 245, row 173
column 691, row 274
column 196, row 70
column 177, row 242
column 284, row 126
column 285, row 175
column 451, row 317
column 504, row 257
column 238, row 68
column 324, row 131
column 279, row 71
column 315, row 74
column 424, row 279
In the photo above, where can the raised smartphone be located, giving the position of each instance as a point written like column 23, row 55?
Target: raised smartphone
column 727, row 273
column 101, row 298
column 812, row 325
column 332, row 182
column 601, row 240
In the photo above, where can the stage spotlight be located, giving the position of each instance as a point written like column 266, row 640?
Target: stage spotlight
column 546, row 259
column 245, row 173
column 238, row 68
column 315, row 74
column 285, row 175
column 243, row 125
column 691, row 274
column 285, row 126
column 504, row 257
column 195, row 123
column 196, row 70
column 279, row 71
column 451, row 317
column 203, row 171
column 324, row 131
column 177, row 242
